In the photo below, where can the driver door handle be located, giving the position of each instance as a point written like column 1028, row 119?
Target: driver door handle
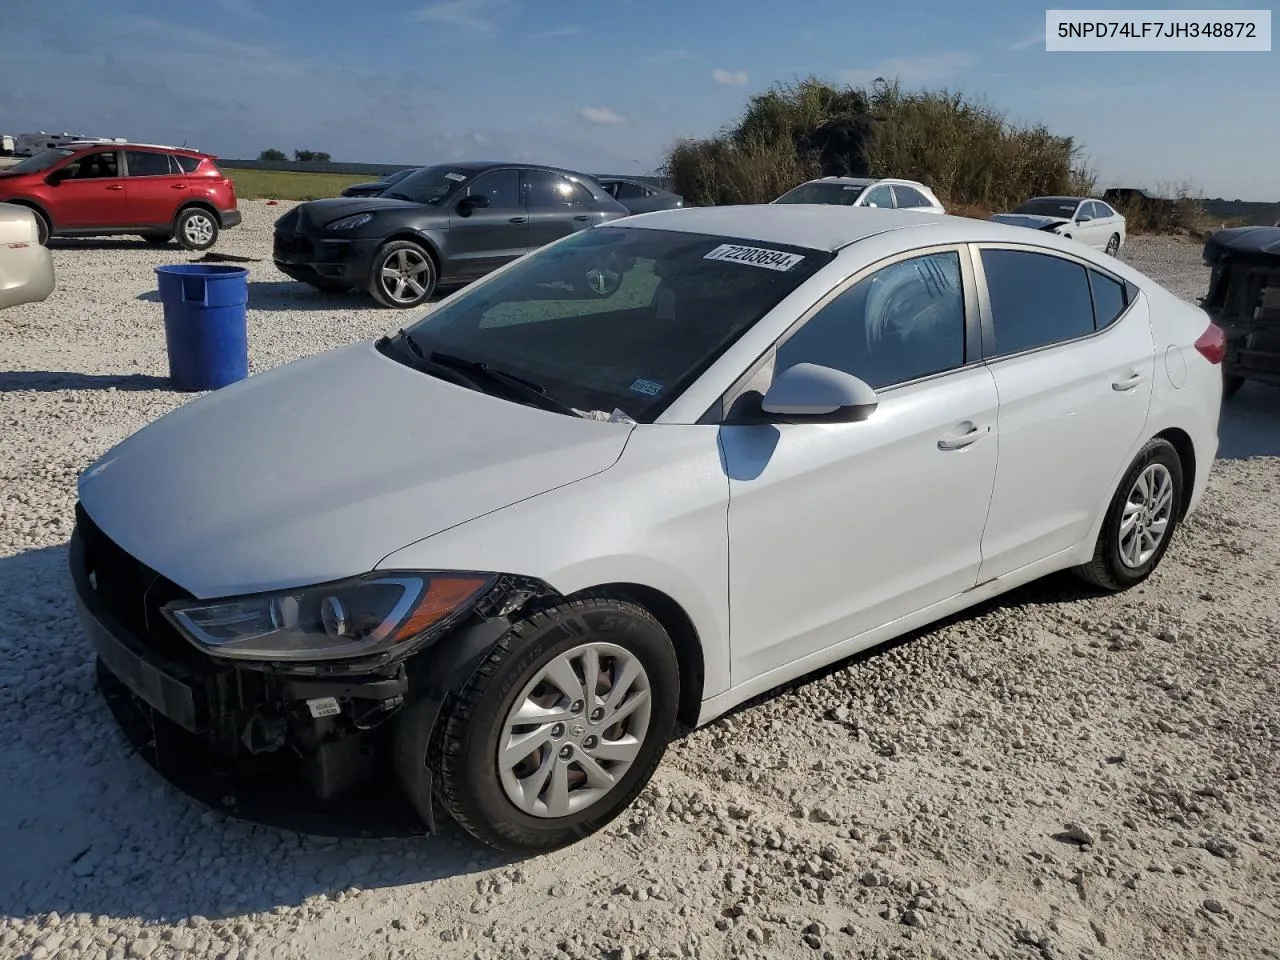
column 1129, row 384
column 582, row 216
column 958, row 441
column 114, row 186
column 517, row 219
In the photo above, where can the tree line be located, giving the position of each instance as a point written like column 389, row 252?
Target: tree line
column 317, row 156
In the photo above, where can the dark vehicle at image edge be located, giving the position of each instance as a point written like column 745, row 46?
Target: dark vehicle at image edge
column 446, row 224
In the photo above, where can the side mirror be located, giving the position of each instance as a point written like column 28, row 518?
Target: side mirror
column 477, row 201
column 55, row 178
column 1083, row 218
column 808, row 392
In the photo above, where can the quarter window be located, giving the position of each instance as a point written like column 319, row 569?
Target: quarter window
column 1109, row 299
column 908, row 196
column 187, row 164
column 1036, row 299
column 145, row 164
column 502, row 187
column 903, row 322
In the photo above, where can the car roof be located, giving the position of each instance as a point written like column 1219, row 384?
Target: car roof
column 79, row 145
column 1062, row 199
column 819, row 226
column 850, row 181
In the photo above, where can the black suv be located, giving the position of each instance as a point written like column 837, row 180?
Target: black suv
column 445, row 224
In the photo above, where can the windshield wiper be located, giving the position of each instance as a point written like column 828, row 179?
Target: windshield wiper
column 525, row 389
column 427, row 364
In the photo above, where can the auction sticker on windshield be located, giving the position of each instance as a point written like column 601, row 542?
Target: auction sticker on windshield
column 756, row 256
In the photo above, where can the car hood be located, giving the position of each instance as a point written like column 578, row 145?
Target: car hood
column 318, row 469
column 316, row 213
column 1249, row 243
column 1034, row 221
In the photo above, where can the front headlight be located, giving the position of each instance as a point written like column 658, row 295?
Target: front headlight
column 349, row 223
column 349, row 618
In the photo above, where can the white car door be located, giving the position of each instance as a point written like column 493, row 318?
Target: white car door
column 1073, row 358
column 1096, row 230
column 837, row 528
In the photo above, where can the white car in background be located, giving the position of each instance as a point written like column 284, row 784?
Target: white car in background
column 883, row 192
column 1094, row 223
column 26, row 266
column 631, row 480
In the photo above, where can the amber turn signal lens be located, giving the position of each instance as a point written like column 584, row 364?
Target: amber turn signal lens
column 443, row 596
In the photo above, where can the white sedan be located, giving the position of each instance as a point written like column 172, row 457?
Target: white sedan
column 628, row 482
column 1092, row 222
column 883, row 192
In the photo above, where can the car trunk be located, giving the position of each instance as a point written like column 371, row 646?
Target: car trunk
column 1244, row 299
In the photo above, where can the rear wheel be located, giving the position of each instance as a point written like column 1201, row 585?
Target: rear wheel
column 1140, row 521
column 1113, row 245
column 196, row 228
column 402, row 275
column 561, row 728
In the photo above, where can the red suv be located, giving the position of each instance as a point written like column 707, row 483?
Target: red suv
column 94, row 189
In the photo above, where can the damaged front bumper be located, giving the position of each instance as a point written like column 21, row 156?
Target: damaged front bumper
column 319, row 731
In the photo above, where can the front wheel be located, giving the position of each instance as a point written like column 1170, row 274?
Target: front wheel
column 402, row 275
column 1140, row 520
column 1113, row 245
column 196, row 228
column 561, row 727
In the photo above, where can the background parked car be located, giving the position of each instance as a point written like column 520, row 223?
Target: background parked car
column 26, row 267
column 866, row 192
column 156, row 192
column 444, row 224
column 373, row 188
column 1093, row 222
column 640, row 197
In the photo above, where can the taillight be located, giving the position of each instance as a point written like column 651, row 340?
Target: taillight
column 1212, row 344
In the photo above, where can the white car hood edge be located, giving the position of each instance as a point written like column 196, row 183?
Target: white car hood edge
column 319, row 469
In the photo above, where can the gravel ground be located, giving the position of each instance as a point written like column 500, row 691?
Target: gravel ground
column 1055, row 775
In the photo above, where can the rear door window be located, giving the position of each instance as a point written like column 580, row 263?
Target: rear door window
column 880, row 196
column 143, row 163
column 1037, row 299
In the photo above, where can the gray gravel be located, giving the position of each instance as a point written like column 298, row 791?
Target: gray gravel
column 1055, row 775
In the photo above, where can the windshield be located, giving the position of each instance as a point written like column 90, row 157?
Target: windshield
column 1049, row 207
column 41, row 161
column 617, row 318
column 841, row 194
column 396, row 177
column 429, row 184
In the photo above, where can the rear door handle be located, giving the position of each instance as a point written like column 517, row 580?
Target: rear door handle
column 178, row 186
column 114, row 186
column 582, row 216
column 1129, row 384
column 517, row 220
column 958, row 441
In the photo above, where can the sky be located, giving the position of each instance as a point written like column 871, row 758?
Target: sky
column 607, row 85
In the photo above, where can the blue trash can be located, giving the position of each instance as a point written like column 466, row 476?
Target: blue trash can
column 204, row 324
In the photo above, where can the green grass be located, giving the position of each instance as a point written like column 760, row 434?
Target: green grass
column 287, row 185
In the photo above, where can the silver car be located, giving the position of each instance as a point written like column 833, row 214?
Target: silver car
column 26, row 267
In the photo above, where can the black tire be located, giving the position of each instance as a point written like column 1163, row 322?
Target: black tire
column 464, row 747
column 156, row 239
column 416, row 258
column 1106, row 569
column 1113, row 245
column 196, row 228
column 1231, row 385
column 42, row 227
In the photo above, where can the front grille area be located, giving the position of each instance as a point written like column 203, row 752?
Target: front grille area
column 133, row 593
column 291, row 245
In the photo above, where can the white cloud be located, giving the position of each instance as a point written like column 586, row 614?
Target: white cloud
column 572, row 31
column 911, row 71
column 601, row 115
column 730, row 78
column 669, row 56
column 1026, row 43
column 473, row 14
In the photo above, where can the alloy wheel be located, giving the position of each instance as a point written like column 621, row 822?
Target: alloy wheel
column 404, row 276
column 198, row 228
column 575, row 730
column 1146, row 515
